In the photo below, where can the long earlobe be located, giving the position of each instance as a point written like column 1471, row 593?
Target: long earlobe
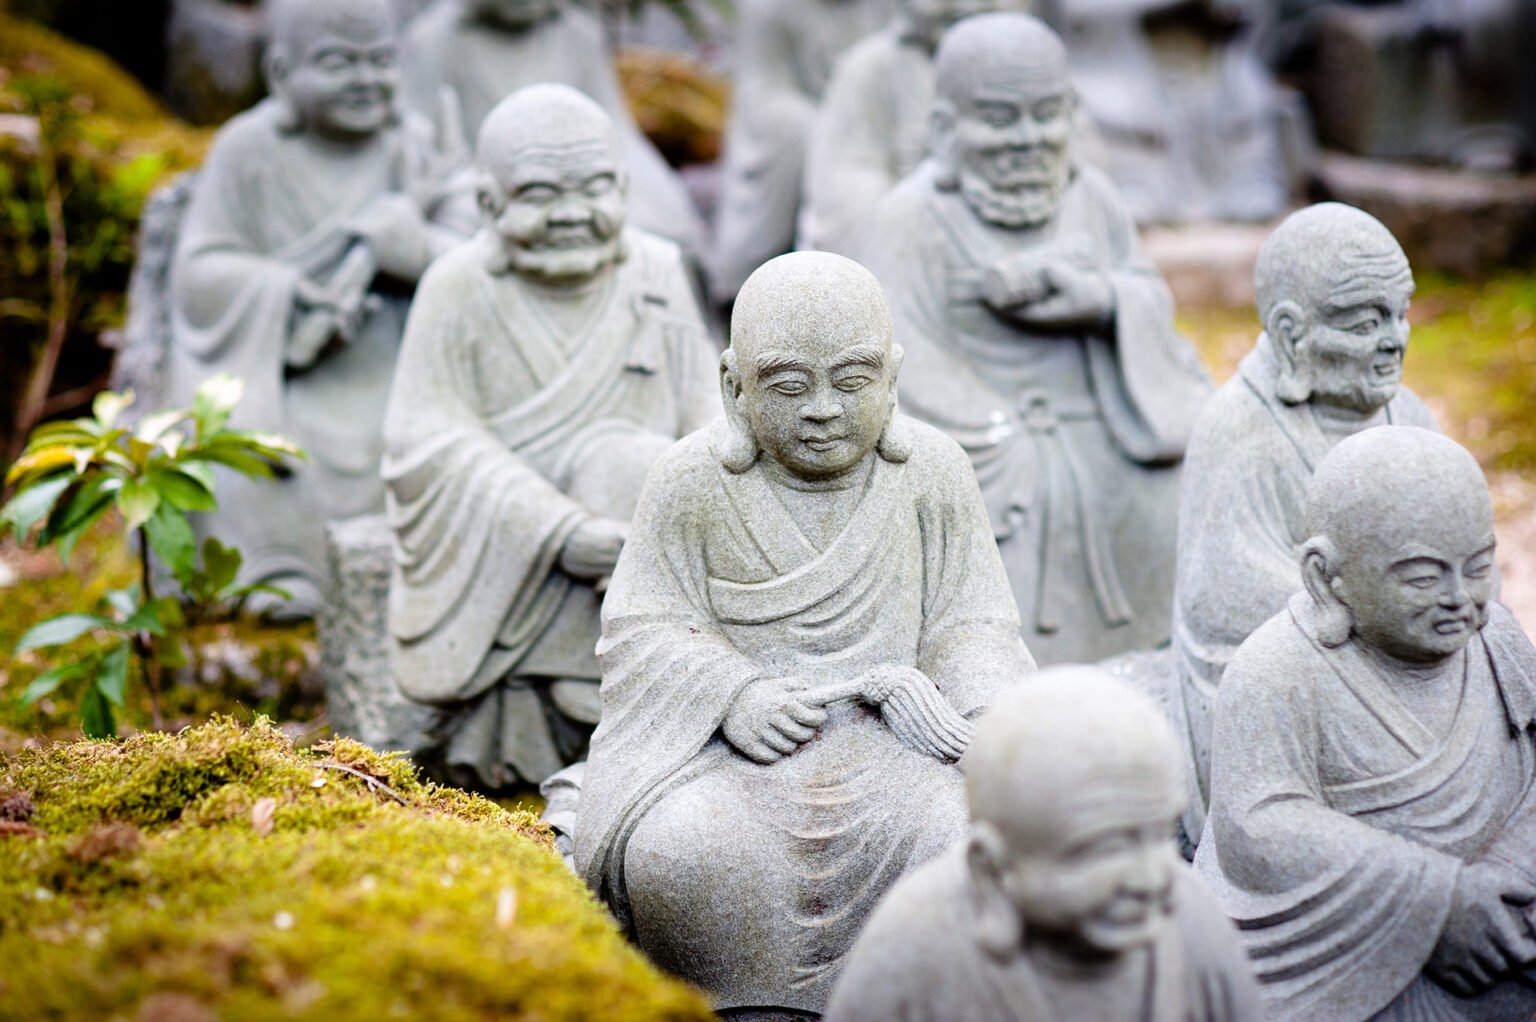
column 1287, row 331
column 941, row 144
column 738, row 451
column 999, row 931
column 1334, row 620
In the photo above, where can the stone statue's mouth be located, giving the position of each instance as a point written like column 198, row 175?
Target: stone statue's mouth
column 1451, row 626
column 821, row 443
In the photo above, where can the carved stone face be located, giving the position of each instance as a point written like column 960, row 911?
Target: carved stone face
column 513, row 14
column 1010, row 149
column 816, row 404
column 562, row 212
column 1418, row 592
column 342, row 83
column 1355, row 348
column 1100, row 883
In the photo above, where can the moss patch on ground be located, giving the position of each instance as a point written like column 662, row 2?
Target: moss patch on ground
column 221, row 873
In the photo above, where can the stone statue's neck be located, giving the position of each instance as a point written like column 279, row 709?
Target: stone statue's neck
column 855, row 476
column 1426, row 672
column 1051, row 958
column 1340, row 421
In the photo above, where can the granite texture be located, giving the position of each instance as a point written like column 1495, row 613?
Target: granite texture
column 295, row 263
column 809, row 613
column 1068, row 899
column 1039, row 336
column 1333, row 290
column 546, row 365
column 1371, row 815
column 141, row 362
column 484, row 50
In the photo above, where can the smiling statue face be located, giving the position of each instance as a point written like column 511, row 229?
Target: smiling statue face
column 337, row 65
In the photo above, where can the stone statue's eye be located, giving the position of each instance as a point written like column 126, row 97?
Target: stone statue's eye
column 384, row 58
column 1423, row 581
column 537, row 193
column 1363, row 328
column 852, row 383
column 789, row 388
column 1048, row 110
column 1479, row 570
column 600, row 184
column 334, row 60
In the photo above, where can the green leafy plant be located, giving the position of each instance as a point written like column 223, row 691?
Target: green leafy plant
column 154, row 473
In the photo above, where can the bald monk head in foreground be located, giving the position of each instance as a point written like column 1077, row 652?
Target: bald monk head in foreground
column 1068, row 901
column 1370, row 827
column 807, row 616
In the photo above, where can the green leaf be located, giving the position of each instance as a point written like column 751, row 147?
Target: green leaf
column 85, row 505
column 112, row 677
column 199, row 471
column 152, row 427
column 44, row 462
column 182, row 490
column 96, row 718
column 170, row 537
column 145, row 619
column 124, row 602
column 109, row 405
column 137, row 501
column 33, row 504
column 214, row 400
column 45, row 684
column 57, row 631
column 220, row 566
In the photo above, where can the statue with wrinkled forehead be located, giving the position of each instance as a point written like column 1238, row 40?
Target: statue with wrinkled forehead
column 1333, row 290
column 807, row 617
column 547, row 363
column 1068, row 900
column 1372, row 826
column 1041, row 338
column 304, row 238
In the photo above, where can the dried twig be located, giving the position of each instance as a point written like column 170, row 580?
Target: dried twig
column 373, row 782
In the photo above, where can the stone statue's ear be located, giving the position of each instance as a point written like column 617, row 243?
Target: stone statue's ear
column 275, row 68
column 895, row 443
column 999, row 930
column 1319, row 558
column 941, row 144
column 1287, row 329
column 739, row 451
column 489, row 196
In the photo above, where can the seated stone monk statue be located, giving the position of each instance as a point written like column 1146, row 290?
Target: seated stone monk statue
column 1333, row 288
column 484, row 50
column 303, row 239
column 1069, row 900
column 872, row 128
column 1041, row 338
column 547, row 362
column 807, row 616
column 1371, row 821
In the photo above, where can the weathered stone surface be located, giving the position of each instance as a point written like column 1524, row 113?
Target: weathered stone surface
column 1372, row 812
column 1457, row 221
column 361, row 697
column 142, row 363
column 808, row 613
column 1067, row 900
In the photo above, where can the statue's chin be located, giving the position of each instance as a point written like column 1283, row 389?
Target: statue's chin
column 1013, row 209
column 565, row 265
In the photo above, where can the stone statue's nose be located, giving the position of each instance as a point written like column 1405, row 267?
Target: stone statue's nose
column 821, row 411
column 1454, row 592
column 1150, row 876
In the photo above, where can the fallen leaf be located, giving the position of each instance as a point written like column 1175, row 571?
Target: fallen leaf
column 261, row 815
column 318, row 782
column 506, row 908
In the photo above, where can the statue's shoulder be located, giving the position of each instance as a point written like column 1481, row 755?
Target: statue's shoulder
column 653, row 257
column 247, row 135
column 870, row 58
column 937, row 461
column 686, row 478
column 1270, row 667
column 432, row 26
column 1408, row 409
column 457, row 273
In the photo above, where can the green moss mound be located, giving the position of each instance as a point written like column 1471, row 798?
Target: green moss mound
column 220, row 873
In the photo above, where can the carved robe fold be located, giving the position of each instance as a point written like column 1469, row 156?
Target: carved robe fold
column 271, row 209
column 1341, row 814
column 1240, row 528
column 506, row 430
column 920, row 960
column 1075, row 437
column 483, row 65
column 719, row 586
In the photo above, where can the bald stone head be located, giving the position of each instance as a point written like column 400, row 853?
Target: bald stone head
column 334, row 66
column 1401, row 547
column 1333, row 288
column 1074, row 782
column 552, row 183
column 927, row 20
column 1002, row 118
column 811, row 372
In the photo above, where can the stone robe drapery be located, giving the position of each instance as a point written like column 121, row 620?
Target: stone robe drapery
column 503, row 435
column 270, row 209
column 718, row 587
column 786, row 49
column 1339, row 821
column 484, row 65
column 1240, row 529
column 1075, row 437
column 919, row 960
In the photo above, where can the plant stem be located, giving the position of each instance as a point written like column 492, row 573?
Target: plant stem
column 149, row 646
column 40, row 380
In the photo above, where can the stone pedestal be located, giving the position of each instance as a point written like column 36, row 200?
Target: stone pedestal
column 360, row 693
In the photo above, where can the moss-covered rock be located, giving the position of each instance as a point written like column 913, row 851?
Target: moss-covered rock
column 220, row 873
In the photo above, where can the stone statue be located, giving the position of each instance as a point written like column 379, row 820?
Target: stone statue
column 1371, row 821
column 872, row 127
column 808, row 615
column 1041, row 338
column 1333, row 289
column 546, row 364
column 484, row 50
column 1069, row 901
column 785, row 51
column 297, row 257
column 1193, row 125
